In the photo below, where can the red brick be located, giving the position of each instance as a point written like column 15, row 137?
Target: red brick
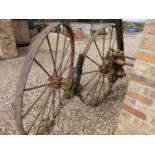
column 120, row 130
column 146, row 57
column 140, row 124
column 153, row 120
column 140, row 97
column 148, row 43
column 134, row 111
column 153, row 94
column 143, row 80
column 152, row 131
column 134, row 130
column 148, row 92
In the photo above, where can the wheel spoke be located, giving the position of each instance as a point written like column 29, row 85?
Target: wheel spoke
column 51, row 106
column 63, row 53
column 51, row 52
column 39, row 113
column 91, row 89
column 92, row 60
column 95, row 88
column 35, row 102
column 66, row 69
column 90, row 80
column 59, row 96
column 113, row 43
column 53, row 102
column 68, row 46
column 66, row 64
column 110, row 38
column 43, row 112
column 103, row 43
column 91, row 72
column 56, row 51
column 62, row 88
column 98, row 49
column 36, row 87
column 66, row 51
column 35, row 60
column 104, row 86
column 110, row 86
column 101, row 87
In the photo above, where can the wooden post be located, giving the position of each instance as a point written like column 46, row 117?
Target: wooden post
column 119, row 34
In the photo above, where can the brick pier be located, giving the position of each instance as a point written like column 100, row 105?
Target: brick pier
column 7, row 40
column 138, row 110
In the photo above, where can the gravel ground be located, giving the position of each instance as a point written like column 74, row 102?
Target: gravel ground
column 75, row 117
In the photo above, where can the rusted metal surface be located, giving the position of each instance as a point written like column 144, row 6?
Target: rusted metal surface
column 109, row 69
column 129, row 57
column 104, row 69
column 129, row 64
column 57, row 81
column 91, row 40
column 17, row 105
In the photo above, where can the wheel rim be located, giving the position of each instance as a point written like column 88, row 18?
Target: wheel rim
column 95, row 78
column 54, row 46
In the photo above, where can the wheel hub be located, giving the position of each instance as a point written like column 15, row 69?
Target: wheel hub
column 113, row 64
column 57, row 81
column 103, row 68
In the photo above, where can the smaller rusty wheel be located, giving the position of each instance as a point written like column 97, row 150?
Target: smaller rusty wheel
column 43, row 79
column 102, row 66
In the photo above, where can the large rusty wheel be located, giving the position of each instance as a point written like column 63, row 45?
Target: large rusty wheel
column 43, row 79
column 98, row 77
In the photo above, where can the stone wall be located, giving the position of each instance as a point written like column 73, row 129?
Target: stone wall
column 7, row 40
column 138, row 110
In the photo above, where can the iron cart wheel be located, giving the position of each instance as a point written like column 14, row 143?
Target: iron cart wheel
column 43, row 79
column 101, row 65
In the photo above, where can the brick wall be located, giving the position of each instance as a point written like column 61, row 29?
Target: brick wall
column 138, row 110
column 7, row 40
